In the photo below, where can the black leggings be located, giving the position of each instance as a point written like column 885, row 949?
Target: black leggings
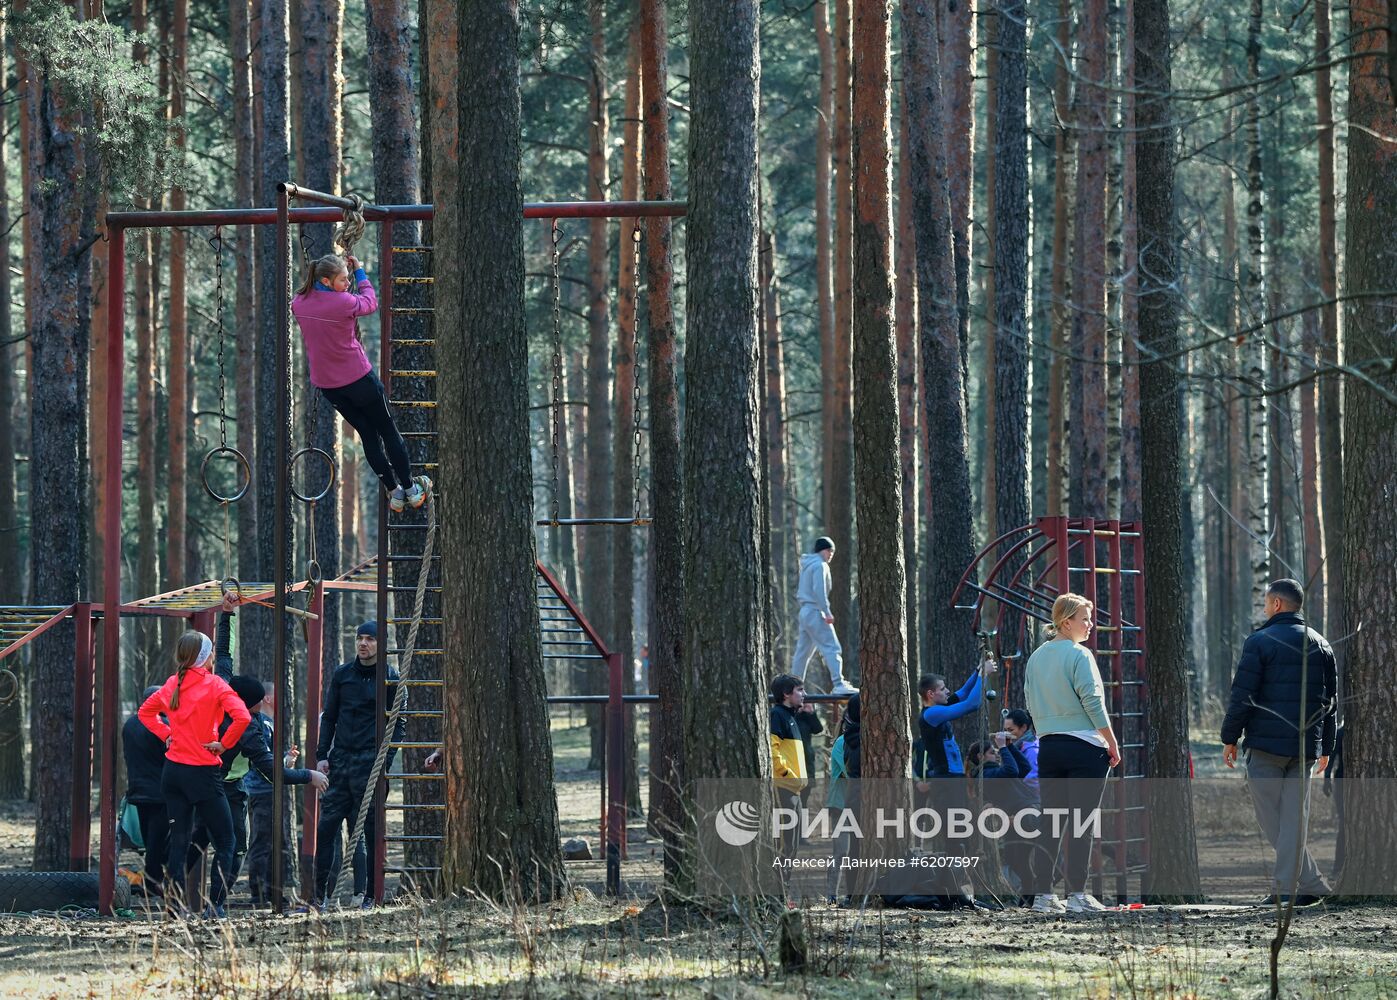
column 365, row 406
column 190, row 790
column 155, row 831
column 1072, row 776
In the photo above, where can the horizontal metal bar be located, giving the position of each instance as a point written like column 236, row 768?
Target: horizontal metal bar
column 410, row 776
column 599, row 699
column 414, row 248
column 1103, row 570
column 411, row 280
column 420, row 652
column 408, row 621
column 573, row 656
column 566, row 522
column 400, row 590
column 412, row 309
column 421, row 404
column 410, row 838
column 413, row 342
column 1103, row 533
column 405, row 869
column 424, row 713
column 420, row 434
column 416, row 745
column 418, row 682
column 405, row 806
column 412, row 373
column 411, row 558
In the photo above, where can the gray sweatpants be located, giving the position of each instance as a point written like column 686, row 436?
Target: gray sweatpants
column 813, row 635
column 1280, row 791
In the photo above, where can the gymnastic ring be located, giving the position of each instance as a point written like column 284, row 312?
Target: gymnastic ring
column 242, row 462
column 313, row 574
column 9, row 686
column 231, row 585
column 291, row 479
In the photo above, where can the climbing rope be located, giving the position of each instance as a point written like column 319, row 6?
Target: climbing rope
column 351, row 230
column 399, row 702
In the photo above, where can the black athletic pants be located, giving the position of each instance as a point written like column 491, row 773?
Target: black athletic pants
column 155, row 833
column 339, row 806
column 1072, row 776
column 365, row 406
column 259, row 847
column 196, row 790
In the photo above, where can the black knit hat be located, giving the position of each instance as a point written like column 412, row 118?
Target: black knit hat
column 249, row 689
column 822, row 543
column 369, row 628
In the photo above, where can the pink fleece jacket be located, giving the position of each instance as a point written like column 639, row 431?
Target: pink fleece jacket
column 326, row 319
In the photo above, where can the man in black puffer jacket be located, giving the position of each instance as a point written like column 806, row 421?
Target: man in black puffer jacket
column 346, row 751
column 1284, row 702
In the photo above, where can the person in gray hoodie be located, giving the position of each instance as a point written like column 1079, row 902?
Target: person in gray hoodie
column 815, row 626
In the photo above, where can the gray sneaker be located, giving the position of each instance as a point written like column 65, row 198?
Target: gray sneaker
column 1084, row 902
column 1047, row 902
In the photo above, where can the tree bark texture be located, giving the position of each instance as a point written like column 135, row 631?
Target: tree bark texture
column 988, row 411
column 1062, row 224
column 666, row 476
column 1011, row 355
column 878, row 464
column 839, row 468
column 241, row 349
column 824, row 244
column 1130, row 459
column 1330, row 416
column 502, row 815
column 178, row 361
column 950, row 544
column 1258, row 513
column 725, row 670
column 783, row 540
column 273, row 156
column 58, row 333
column 394, row 111
column 1370, row 479
column 1087, row 455
column 908, row 403
column 597, row 545
column 1173, row 854
column 956, row 49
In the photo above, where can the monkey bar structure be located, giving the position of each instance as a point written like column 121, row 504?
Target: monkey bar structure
column 200, row 603
column 1024, row 571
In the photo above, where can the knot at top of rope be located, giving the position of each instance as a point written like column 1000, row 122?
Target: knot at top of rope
column 352, row 229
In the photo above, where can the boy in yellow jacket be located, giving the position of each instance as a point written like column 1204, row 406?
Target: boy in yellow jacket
column 790, row 766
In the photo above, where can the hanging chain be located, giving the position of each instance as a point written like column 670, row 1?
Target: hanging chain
column 635, row 367
column 217, row 243
column 303, row 241
column 557, row 236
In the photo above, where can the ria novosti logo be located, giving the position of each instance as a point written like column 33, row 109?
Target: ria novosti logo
column 737, row 823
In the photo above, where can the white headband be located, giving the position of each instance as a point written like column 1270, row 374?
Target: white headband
column 205, row 650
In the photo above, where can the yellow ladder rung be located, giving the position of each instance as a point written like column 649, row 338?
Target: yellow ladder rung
column 410, row 373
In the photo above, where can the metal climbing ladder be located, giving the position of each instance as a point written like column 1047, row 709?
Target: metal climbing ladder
column 1023, row 572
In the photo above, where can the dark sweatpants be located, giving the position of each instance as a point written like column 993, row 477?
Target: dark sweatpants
column 339, row 807
column 1072, row 776
column 259, row 848
column 365, row 406
column 237, row 811
column 155, row 834
column 191, row 791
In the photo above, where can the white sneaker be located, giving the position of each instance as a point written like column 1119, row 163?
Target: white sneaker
column 1047, row 902
column 397, row 500
column 1084, row 902
column 844, row 689
column 417, row 496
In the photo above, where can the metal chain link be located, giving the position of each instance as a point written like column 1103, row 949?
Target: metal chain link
column 557, row 236
column 635, row 367
column 217, row 243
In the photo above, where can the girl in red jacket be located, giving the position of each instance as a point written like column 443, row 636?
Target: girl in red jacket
column 195, row 701
column 325, row 309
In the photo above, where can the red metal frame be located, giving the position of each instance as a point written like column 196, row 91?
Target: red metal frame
column 117, row 223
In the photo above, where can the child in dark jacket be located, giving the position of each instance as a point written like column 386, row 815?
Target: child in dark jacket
column 144, row 753
column 326, row 310
column 1003, row 768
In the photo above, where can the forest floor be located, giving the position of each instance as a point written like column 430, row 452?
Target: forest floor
column 588, row 945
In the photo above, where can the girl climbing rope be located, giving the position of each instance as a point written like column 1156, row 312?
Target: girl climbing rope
column 325, row 310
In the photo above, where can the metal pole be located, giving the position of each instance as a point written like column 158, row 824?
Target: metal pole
column 616, row 776
column 111, row 562
column 279, row 527
column 377, row 847
column 80, row 838
column 315, row 656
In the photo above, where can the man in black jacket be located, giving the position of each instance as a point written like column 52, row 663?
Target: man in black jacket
column 345, row 751
column 144, row 753
column 1284, row 702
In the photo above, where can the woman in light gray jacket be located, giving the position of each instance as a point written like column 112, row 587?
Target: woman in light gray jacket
column 1076, row 745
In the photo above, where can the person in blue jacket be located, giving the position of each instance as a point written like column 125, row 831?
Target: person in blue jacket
column 943, row 772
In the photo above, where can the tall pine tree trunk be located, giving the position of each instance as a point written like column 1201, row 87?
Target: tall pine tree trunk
column 950, row 644
column 956, row 49
column 666, row 477
column 1011, row 228
column 1131, row 498
column 1258, row 512
column 1062, row 223
column 987, row 277
column 502, row 815
column 905, row 321
column 242, row 351
column 725, row 667
column 1330, row 417
column 1173, row 854
column 783, row 540
column 878, row 466
column 176, row 544
column 597, row 544
column 62, row 224
column 824, row 246
column 1087, row 452
column 1370, row 434
column 839, row 467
